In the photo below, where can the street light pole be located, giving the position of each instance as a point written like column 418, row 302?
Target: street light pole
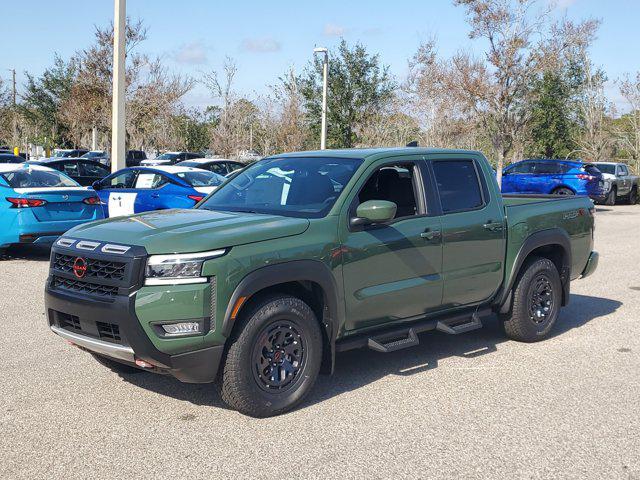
column 118, row 133
column 325, row 80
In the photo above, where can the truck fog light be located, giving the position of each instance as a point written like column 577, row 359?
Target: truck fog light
column 182, row 328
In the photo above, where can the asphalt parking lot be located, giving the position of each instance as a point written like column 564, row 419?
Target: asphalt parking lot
column 472, row 406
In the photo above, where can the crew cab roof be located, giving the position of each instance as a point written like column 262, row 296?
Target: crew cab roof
column 370, row 152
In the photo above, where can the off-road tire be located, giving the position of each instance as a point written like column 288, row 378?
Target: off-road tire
column 611, row 197
column 116, row 367
column 632, row 199
column 241, row 382
column 520, row 324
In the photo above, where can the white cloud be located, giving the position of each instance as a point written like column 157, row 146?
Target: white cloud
column 333, row 30
column 191, row 54
column 260, row 45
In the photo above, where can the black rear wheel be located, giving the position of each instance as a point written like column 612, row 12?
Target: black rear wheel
column 537, row 297
column 273, row 358
column 563, row 191
column 633, row 196
column 611, row 196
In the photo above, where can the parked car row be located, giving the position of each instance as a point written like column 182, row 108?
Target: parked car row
column 603, row 182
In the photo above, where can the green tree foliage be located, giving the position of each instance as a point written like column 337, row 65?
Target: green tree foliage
column 552, row 122
column 359, row 87
column 43, row 97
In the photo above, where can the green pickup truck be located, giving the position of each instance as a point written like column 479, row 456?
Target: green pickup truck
column 303, row 255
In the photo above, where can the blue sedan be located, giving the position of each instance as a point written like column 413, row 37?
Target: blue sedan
column 38, row 204
column 142, row 189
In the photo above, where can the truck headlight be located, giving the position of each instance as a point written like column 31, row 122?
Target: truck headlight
column 178, row 269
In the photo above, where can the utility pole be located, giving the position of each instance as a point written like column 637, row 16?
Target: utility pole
column 16, row 149
column 118, row 133
column 325, row 82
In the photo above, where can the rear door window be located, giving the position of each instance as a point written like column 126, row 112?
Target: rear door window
column 458, row 185
column 88, row 169
column 71, row 169
column 547, row 168
column 150, row 180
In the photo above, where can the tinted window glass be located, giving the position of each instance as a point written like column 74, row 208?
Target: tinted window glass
column 201, row 179
column 458, row 185
column 150, row 180
column 29, row 178
column 218, row 168
column 547, row 168
column 8, row 158
column 523, row 167
column 393, row 183
column 605, row 168
column 122, row 180
column 93, row 170
column 69, row 168
column 296, row 186
column 168, row 156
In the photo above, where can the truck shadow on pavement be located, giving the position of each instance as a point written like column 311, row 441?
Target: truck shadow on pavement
column 358, row 368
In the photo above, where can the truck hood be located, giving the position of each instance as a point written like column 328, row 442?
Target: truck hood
column 185, row 231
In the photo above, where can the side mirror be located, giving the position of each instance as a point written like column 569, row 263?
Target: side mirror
column 506, row 172
column 374, row 211
column 96, row 185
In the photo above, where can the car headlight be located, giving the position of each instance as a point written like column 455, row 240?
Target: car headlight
column 178, row 269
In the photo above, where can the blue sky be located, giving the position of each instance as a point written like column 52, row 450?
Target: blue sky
column 266, row 38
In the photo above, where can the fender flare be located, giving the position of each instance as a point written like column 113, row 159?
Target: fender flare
column 292, row 271
column 543, row 238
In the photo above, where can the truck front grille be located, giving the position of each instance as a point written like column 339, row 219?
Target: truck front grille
column 84, row 287
column 102, row 269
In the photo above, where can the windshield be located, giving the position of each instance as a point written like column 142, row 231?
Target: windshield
column 296, row 187
column 29, row 178
column 201, row 179
column 605, row 168
column 60, row 154
column 168, row 156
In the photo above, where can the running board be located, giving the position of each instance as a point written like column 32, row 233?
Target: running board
column 378, row 339
column 380, row 345
column 458, row 326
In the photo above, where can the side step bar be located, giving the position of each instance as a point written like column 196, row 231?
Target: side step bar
column 455, row 327
column 391, row 339
column 410, row 341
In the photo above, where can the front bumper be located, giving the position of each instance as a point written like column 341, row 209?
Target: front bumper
column 592, row 264
column 198, row 366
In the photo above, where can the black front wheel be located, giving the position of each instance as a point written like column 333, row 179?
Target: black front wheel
column 273, row 358
column 537, row 297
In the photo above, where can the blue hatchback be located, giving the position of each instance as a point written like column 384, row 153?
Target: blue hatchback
column 556, row 177
column 38, row 204
column 142, row 189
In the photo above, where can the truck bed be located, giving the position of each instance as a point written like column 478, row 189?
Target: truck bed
column 528, row 214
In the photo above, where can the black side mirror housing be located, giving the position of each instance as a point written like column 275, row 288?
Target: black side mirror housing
column 96, row 185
